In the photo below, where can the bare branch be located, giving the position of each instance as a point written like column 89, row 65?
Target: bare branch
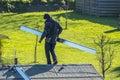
column 105, row 53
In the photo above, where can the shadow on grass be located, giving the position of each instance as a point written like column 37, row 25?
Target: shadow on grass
column 111, row 21
column 13, row 21
column 72, row 15
column 8, row 14
column 117, row 70
column 115, row 42
column 111, row 31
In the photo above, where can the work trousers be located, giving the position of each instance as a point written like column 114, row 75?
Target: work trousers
column 49, row 50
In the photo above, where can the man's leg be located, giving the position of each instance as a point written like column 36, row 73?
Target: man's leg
column 47, row 49
column 52, row 47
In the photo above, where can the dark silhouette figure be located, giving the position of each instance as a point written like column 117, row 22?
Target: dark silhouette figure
column 51, row 32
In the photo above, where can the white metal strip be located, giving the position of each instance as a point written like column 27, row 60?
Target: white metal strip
column 78, row 46
column 31, row 30
column 20, row 71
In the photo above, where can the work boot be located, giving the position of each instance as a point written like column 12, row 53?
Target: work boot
column 55, row 62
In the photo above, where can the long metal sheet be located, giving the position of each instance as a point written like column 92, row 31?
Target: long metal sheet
column 69, row 43
column 20, row 71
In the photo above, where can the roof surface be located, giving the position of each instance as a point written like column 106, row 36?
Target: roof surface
column 53, row 72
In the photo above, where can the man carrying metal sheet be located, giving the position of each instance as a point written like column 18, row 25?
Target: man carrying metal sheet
column 51, row 31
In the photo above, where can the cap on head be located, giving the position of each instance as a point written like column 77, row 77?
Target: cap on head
column 46, row 16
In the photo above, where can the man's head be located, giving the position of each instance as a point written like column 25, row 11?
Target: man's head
column 46, row 16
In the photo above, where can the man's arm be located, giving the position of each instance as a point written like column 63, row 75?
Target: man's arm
column 43, row 35
column 45, row 32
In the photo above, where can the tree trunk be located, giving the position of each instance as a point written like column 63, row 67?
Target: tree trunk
column 0, row 54
column 0, row 50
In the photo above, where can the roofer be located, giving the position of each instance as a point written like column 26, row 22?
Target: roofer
column 52, row 29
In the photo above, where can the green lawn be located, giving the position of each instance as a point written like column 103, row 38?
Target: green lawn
column 82, row 29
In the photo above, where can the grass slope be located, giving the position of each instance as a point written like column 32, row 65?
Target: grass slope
column 82, row 29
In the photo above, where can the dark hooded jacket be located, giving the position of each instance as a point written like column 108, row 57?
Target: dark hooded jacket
column 51, row 31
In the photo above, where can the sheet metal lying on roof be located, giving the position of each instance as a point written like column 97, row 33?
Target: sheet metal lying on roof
column 54, row 72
